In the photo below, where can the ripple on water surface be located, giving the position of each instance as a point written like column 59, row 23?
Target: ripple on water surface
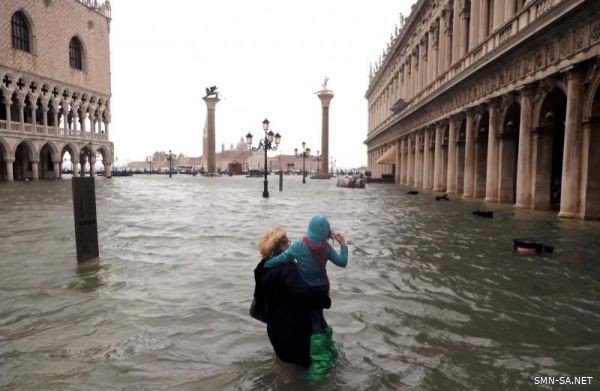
column 432, row 297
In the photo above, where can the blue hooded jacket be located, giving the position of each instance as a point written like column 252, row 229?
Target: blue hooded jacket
column 318, row 231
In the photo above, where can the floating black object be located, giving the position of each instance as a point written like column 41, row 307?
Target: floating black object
column 412, row 192
column 484, row 213
column 528, row 246
column 442, row 198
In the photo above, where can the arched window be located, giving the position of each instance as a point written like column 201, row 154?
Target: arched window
column 76, row 53
column 20, row 32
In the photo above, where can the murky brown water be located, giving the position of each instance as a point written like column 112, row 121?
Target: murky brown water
column 433, row 296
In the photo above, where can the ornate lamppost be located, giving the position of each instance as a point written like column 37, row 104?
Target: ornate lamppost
column 304, row 154
column 267, row 145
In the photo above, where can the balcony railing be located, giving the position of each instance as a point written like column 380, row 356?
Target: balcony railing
column 16, row 128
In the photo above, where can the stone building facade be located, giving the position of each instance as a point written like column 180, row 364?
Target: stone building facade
column 54, row 87
column 492, row 99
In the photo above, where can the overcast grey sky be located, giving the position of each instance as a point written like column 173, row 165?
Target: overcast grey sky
column 267, row 58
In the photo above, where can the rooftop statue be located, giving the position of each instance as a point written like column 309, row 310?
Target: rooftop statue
column 212, row 91
column 325, row 83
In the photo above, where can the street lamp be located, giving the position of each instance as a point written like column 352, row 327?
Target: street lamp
column 149, row 160
column 304, row 154
column 267, row 145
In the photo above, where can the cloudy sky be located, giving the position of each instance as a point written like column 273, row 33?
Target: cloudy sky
column 267, row 57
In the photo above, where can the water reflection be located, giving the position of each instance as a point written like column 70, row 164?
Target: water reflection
column 433, row 296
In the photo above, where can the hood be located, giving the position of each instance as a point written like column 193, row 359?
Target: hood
column 318, row 229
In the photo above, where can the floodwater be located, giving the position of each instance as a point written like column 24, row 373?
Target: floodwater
column 432, row 297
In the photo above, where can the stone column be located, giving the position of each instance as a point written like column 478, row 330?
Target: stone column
column 491, row 177
column 56, row 165
column 452, row 155
column 21, row 114
column 474, row 23
column 75, row 119
column 33, row 119
column 403, row 160
column 427, row 182
column 469, row 181
column 398, row 162
column 498, row 14
column 510, row 10
column 55, row 118
column 411, row 163
column 484, row 23
column 418, row 160
column 524, row 153
column 571, row 172
column 66, row 121
column 464, row 32
column 456, row 32
column 449, row 40
column 93, row 166
column 435, row 51
column 83, row 119
column 35, row 170
column 107, row 169
column 75, row 164
column 7, row 104
column 325, row 96
column 414, row 72
column 438, row 163
column 45, row 115
column 590, row 181
column 420, row 66
column 441, row 53
column 211, row 104
column 9, row 168
column 431, row 60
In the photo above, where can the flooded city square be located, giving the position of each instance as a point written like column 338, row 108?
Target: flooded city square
column 432, row 297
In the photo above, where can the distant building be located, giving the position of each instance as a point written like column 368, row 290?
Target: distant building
column 54, row 86
column 497, row 100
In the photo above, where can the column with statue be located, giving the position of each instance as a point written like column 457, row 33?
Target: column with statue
column 211, row 99
column 325, row 95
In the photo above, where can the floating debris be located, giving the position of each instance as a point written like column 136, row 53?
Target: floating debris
column 412, row 192
column 442, row 198
column 528, row 246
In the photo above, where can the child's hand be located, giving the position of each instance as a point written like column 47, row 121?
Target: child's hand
column 340, row 238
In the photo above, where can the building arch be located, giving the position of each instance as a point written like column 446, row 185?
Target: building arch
column 55, row 155
column 546, row 88
column 48, row 158
column 105, row 153
column 548, row 145
column 25, row 156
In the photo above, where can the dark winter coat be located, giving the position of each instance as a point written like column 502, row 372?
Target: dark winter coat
column 284, row 300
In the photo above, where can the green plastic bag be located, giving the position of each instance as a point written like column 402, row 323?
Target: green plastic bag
column 322, row 355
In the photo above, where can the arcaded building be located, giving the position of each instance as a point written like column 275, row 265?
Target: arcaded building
column 493, row 99
column 55, row 87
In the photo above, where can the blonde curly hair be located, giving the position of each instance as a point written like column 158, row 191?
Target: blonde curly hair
column 270, row 241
